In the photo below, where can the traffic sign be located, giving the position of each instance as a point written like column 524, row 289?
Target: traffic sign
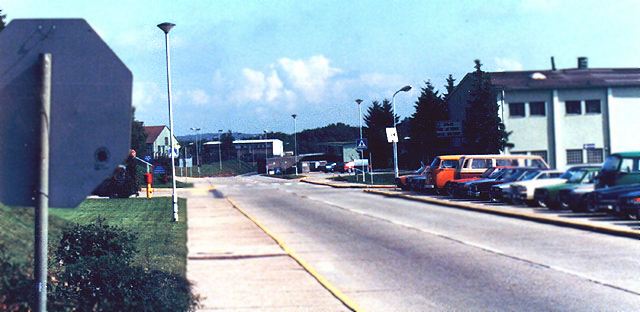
column 148, row 158
column 159, row 170
column 392, row 135
column 90, row 110
column 589, row 146
column 448, row 129
column 361, row 144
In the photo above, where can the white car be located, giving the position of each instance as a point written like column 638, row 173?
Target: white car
column 501, row 192
column 522, row 192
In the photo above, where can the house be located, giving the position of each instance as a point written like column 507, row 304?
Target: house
column 247, row 150
column 158, row 143
column 567, row 116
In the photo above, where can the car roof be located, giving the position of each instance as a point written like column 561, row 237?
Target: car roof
column 627, row 154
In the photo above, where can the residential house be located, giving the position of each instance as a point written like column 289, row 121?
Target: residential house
column 158, row 142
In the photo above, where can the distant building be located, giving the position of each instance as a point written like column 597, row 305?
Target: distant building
column 341, row 151
column 158, row 143
column 247, row 150
column 568, row 116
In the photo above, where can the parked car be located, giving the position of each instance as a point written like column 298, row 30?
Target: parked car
column 481, row 189
column 402, row 182
column 456, row 188
column 606, row 199
column 329, row 167
column 522, row 192
column 629, row 205
column 549, row 196
column 440, row 171
column 576, row 198
column 474, row 165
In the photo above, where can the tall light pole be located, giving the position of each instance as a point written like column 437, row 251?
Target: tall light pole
column 295, row 142
column 359, row 101
column 220, row 148
column 197, row 150
column 395, row 143
column 266, row 165
column 166, row 27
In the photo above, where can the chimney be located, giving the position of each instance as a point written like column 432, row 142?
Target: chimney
column 553, row 64
column 583, row 62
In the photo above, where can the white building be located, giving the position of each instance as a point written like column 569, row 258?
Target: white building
column 158, row 141
column 568, row 116
column 250, row 149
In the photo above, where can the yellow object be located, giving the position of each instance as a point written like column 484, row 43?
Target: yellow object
column 149, row 190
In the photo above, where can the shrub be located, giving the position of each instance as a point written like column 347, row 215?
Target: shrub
column 15, row 284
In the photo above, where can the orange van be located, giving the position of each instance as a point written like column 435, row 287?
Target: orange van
column 470, row 166
column 441, row 170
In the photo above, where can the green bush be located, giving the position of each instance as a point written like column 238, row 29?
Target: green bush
column 15, row 284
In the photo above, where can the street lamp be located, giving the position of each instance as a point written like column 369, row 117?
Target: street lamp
column 295, row 142
column 166, row 27
column 220, row 148
column 359, row 101
column 266, row 165
column 197, row 152
column 395, row 143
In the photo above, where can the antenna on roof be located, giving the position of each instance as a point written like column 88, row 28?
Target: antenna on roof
column 553, row 64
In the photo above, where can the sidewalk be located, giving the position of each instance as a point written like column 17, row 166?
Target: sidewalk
column 235, row 266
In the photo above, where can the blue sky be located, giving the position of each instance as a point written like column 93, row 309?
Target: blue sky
column 248, row 65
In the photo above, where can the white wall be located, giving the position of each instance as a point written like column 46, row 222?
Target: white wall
column 624, row 117
column 530, row 133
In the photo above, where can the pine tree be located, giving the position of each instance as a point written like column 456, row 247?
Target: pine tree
column 226, row 141
column 138, row 136
column 484, row 131
column 429, row 110
column 379, row 117
column 2, row 18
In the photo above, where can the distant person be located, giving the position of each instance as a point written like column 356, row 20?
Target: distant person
column 132, row 173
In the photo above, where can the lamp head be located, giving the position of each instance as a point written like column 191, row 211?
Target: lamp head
column 294, row 116
column 166, row 27
column 405, row 88
column 358, row 101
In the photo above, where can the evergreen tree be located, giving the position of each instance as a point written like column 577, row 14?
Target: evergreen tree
column 449, row 87
column 484, row 131
column 226, row 145
column 138, row 136
column 379, row 117
column 2, row 17
column 429, row 110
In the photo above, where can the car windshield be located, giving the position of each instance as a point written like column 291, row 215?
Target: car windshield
column 512, row 175
column 449, row 164
column 611, row 163
column 573, row 176
column 435, row 162
column 530, row 175
column 488, row 172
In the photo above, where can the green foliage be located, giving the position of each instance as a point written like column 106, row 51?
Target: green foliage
column 429, row 109
column 138, row 136
column 379, row 117
column 484, row 131
column 2, row 18
column 450, row 86
column 16, row 283
column 228, row 150
column 309, row 141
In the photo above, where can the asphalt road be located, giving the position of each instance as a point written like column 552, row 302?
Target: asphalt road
column 390, row 254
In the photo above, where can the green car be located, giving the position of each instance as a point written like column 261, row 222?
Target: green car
column 549, row 196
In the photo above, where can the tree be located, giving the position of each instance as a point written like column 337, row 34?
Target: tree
column 449, row 86
column 2, row 18
column 226, row 141
column 138, row 136
column 484, row 131
column 379, row 117
column 430, row 109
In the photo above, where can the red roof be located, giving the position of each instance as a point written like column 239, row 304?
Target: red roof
column 153, row 132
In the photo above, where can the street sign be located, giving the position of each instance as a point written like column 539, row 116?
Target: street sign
column 90, row 110
column 361, row 144
column 448, row 129
column 392, row 135
column 148, row 158
column 589, row 146
column 159, row 170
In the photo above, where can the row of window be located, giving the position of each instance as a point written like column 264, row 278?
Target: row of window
column 574, row 156
column 517, row 109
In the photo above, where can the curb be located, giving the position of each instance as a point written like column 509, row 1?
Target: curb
column 349, row 185
column 524, row 216
column 346, row 301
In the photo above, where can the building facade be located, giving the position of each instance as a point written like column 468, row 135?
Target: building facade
column 158, row 142
column 247, row 150
column 569, row 116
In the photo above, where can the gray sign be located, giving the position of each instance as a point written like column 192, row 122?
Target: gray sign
column 90, row 110
column 448, row 129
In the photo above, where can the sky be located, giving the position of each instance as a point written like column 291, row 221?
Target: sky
column 247, row 66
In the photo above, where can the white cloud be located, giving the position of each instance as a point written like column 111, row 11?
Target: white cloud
column 507, row 64
column 145, row 94
column 260, row 87
column 310, row 76
column 198, row 96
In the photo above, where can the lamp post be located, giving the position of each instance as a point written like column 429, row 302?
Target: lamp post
column 197, row 150
column 395, row 143
column 220, row 148
column 359, row 101
column 166, row 27
column 266, row 165
column 295, row 142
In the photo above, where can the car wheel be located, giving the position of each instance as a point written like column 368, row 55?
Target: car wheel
column 591, row 204
column 542, row 204
column 531, row 203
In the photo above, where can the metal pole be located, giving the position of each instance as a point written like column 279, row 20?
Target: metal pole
column 360, row 125
column 371, row 166
column 395, row 144
column 220, row 148
column 42, row 206
column 166, row 27
column 295, row 142
column 266, row 145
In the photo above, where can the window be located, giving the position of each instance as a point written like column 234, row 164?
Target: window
column 592, row 106
column 537, row 109
column 481, row 163
column 594, row 156
column 573, row 107
column 542, row 154
column 166, row 141
column 516, row 109
column 574, row 156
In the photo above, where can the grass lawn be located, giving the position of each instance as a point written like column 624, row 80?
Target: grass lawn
column 162, row 243
column 378, row 179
